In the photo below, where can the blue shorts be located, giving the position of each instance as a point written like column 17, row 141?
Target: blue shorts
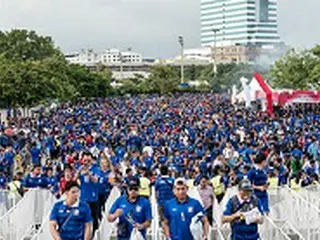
column 265, row 203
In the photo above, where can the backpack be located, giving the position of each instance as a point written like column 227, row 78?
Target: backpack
column 244, row 207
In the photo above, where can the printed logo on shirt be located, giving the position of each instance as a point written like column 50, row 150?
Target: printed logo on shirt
column 174, row 209
column 190, row 209
column 76, row 212
column 86, row 179
column 138, row 208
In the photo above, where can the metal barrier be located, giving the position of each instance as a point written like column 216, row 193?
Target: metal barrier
column 269, row 230
column 296, row 216
column 44, row 231
column 29, row 212
column 155, row 224
column 7, row 201
column 311, row 194
column 106, row 229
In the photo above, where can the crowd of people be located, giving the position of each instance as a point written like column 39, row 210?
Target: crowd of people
column 141, row 141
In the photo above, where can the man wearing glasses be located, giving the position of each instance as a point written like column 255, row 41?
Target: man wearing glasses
column 244, row 212
column 133, row 212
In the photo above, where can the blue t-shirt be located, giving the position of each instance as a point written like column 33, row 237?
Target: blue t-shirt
column 9, row 157
column 241, row 230
column 138, row 212
column 3, row 181
column 103, row 182
column 71, row 219
column 89, row 189
column 53, row 182
column 180, row 215
column 164, row 188
column 282, row 175
column 34, row 182
column 35, row 154
column 258, row 177
column 163, row 159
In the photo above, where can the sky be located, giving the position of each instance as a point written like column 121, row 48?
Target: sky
column 150, row 27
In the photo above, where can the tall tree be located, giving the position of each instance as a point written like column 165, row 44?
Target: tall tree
column 25, row 45
column 163, row 79
column 296, row 70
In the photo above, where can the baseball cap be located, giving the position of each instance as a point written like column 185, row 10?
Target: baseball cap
column 180, row 181
column 133, row 183
column 245, row 185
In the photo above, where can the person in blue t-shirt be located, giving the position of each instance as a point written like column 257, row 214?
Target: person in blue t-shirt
column 9, row 157
column 3, row 179
column 52, row 181
column 71, row 219
column 133, row 212
column 104, row 185
column 282, row 172
column 125, row 181
column 35, row 154
column 89, row 187
column 179, row 211
column 259, row 179
column 164, row 189
column 239, row 204
column 34, row 179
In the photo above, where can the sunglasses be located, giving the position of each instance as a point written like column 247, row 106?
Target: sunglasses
column 133, row 188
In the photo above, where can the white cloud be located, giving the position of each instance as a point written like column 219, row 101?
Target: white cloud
column 149, row 26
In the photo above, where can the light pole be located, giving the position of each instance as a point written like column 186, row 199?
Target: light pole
column 121, row 65
column 181, row 42
column 214, row 57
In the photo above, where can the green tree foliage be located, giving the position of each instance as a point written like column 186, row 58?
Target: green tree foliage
column 297, row 70
column 33, row 70
column 26, row 45
column 163, row 79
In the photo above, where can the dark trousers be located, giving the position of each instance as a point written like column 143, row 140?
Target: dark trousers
column 220, row 197
column 102, row 201
column 209, row 214
column 95, row 209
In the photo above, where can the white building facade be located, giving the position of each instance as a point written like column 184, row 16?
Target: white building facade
column 114, row 56
column 239, row 22
column 108, row 57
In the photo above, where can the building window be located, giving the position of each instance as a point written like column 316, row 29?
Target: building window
column 263, row 10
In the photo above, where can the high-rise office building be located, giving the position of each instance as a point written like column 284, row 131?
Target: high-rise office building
column 239, row 22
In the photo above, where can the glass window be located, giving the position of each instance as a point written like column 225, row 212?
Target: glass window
column 264, row 10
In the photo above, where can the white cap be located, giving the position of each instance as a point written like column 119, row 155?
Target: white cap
column 180, row 180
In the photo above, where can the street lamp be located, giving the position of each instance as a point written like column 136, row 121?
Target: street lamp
column 181, row 42
column 214, row 52
column 121, row 65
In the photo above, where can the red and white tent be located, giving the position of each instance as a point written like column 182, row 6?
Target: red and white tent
column 259, row 90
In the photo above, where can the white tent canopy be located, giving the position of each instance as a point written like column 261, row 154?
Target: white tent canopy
column 248, row 93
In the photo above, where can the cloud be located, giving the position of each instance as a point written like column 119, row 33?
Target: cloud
column 148, row 26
